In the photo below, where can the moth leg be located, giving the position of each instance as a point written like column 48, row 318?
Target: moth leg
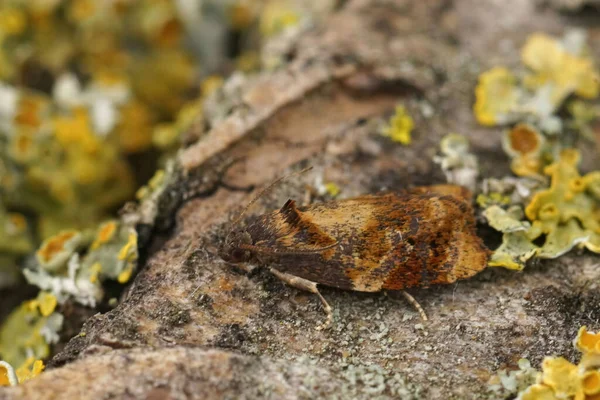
column 415, row 304
column 309, row 286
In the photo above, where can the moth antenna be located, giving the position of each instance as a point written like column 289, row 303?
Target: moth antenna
column 266, row 250
column 263, row 192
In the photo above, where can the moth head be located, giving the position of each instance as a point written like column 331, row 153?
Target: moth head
column 232, row 249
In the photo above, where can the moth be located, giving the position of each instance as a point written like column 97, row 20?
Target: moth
column 388, row 241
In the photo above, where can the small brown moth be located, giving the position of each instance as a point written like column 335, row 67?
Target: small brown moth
column 390, row 241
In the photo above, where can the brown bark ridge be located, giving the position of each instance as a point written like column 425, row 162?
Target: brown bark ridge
column 190, row 326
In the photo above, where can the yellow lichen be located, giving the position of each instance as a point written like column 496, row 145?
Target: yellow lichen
column 12, row 21
column 8, row 377
column 513, row 253
column 566, row 212
column 496, row 97
column 560, row 379
column 554, row 66
column 538, row 392
column 125, row 275
column 45, row 302
column 154, row 183
column 95, row 270
column 30, row 369
column 591, row 382
column 129, row 251
column 587, row 342
column 493, row 198
column 332, row 189
column 565, row 215
column 400, row 126
column 277, row 15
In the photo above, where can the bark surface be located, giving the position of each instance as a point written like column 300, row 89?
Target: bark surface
column 190, row 326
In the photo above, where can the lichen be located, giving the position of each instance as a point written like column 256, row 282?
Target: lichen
column 564, row 70
column 399, row 127
column 509, row 383
column 497, row 97
column 28, row 332
column 78, row 270
column 276, row 16
column 55, row 251
column 458, row 164
column 561, row 379
column 8, row 377
column 564, row 215
column 553, row 70
column 567, row 212
column 524, row 144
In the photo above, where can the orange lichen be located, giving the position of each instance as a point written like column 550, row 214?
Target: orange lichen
column 54, row 245
column 524, row 144
column 105, row 233
column 30, row 110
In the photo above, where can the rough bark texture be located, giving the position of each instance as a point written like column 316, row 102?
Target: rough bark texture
column 319, row 109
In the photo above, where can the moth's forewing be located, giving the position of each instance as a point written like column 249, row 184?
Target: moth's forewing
column 386, row 241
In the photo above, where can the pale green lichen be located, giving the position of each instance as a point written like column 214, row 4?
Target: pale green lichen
column 28, row 332
column 506, row 220
column 564, row 216
column 78, row 271
column 458, row 164
column 507, row 383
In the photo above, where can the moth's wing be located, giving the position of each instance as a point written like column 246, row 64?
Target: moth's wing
column 459, row 192
column 442, row 246
column 297, row 231
column 292, row 229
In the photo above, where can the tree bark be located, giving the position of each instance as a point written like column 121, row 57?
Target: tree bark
column 190, row 326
